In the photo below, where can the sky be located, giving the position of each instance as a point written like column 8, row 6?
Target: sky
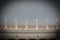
column 31, row 10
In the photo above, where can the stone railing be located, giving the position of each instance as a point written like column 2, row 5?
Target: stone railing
column 26, row 26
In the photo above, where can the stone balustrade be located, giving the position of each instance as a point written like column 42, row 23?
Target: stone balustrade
column 27, row 26
column 28, row 31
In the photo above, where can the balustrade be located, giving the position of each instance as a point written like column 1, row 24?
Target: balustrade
column 27, row 26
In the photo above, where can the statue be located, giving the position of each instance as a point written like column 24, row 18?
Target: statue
column 37, row 23
column 46, row 24
column 16, row 23
column 5, row 23
column 57, row 23
column 26, row 23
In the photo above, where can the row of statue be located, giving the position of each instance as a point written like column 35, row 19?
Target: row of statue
column 27, row 23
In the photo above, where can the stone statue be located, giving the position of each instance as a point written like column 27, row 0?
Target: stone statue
column 16, row 23
column 57, row 23
column 26, row 23
column 57, row 20
column 46, row 24
column 37, row 23
column 5, row 23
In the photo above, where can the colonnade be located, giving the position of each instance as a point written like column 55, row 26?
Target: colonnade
column 26, row 23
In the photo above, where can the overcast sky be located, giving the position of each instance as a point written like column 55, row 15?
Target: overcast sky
column 30, row 10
